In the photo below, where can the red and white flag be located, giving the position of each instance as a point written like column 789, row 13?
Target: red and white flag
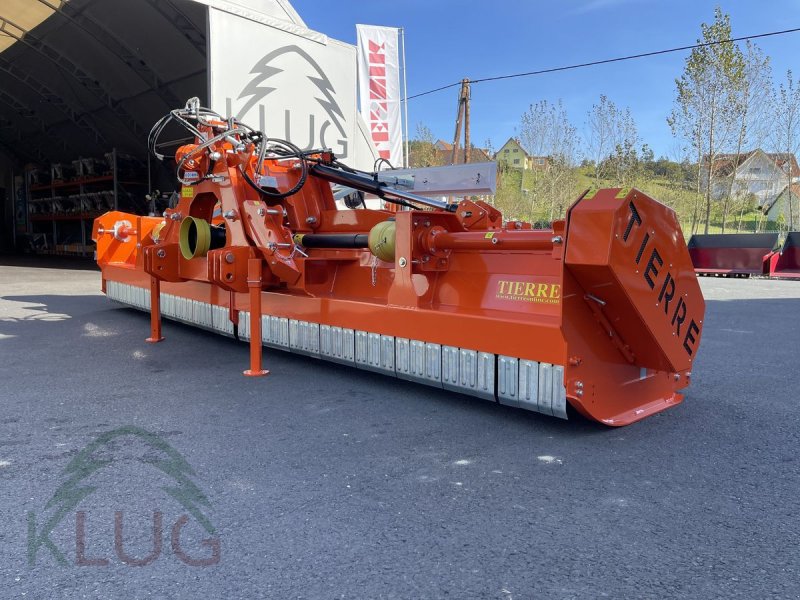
column 379, row 89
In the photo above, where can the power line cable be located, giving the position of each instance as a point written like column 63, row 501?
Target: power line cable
column 607, row 61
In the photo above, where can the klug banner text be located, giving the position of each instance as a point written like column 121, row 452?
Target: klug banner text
column 296, row 85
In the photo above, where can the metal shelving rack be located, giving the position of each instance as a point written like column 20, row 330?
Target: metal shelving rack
column 58, row 220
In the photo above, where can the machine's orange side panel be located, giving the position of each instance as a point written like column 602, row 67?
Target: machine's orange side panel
column 633, row 310
column 641, row 278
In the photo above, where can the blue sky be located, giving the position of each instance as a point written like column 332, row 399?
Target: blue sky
column 447, row 40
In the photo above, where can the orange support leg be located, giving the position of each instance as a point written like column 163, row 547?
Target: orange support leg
column 254, row 283
column 155, row 311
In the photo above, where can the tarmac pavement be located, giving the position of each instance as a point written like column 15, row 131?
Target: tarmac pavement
column 321, row 481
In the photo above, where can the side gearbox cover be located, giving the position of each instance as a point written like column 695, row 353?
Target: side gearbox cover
column 627, row 252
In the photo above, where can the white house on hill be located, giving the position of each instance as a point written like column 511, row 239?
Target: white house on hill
column 780, row 205
column 763, row 175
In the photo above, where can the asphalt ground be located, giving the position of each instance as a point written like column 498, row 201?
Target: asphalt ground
column 328, row 482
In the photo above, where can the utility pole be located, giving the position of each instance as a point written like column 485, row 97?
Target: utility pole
column 462, row 117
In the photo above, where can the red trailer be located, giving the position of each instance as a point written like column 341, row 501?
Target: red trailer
column 733, row 254
column 787, row 261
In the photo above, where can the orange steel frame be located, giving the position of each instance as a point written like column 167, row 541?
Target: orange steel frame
column 609, row 293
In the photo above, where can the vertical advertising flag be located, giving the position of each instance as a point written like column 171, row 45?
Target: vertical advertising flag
column 379, row 89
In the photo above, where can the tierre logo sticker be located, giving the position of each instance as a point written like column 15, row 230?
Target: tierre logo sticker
column 529, row 291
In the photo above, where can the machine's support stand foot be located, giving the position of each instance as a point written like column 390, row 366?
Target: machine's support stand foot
column 155, row 311
column 258, row 373
column 254, row 283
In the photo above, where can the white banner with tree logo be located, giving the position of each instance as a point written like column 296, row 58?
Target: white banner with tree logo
column 288, row 81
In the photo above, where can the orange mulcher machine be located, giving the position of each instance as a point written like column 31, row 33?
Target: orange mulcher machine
column 602, row 313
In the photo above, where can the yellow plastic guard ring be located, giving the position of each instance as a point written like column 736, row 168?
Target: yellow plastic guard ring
column 194, row 237
column 381, row 240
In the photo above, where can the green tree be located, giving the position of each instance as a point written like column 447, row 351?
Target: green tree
column 612, row 140
column 546, row 131
column 707, row 101
column 422, row 150
column 753, row 95
column 601, row 135
column 786, row 110
column 626, row 156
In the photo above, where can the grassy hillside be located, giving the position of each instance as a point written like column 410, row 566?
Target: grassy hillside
column 538, row 197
